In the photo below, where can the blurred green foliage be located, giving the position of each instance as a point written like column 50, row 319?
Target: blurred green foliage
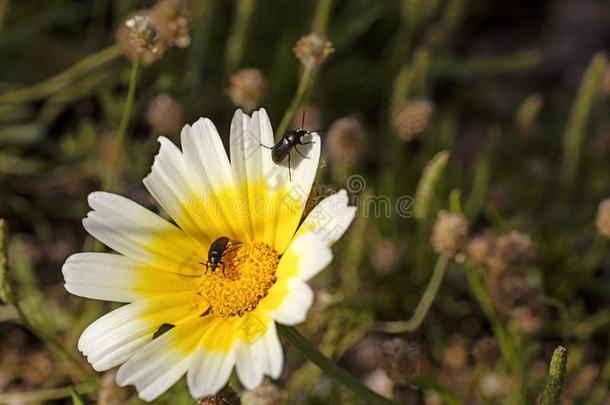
column 520, row 105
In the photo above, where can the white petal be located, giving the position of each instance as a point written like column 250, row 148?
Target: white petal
column 264, row 177
column 330, row 218
column 307, row 254
column 251, row 362
column 244, row 147
column 112, row 339
column 115, row 337
column 296, row 304
column 210, row 369
column 159, row 364
column 113, row 277
column 208, row 166
column 275, row 353
column 134, row 231
column 205, row 156
column 169, row 182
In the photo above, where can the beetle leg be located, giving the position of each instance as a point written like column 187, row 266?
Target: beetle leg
column 206, row 268
column 268, row 147
column 223, row 269
column 299, row 152
column 289, row 170
column 229, row 251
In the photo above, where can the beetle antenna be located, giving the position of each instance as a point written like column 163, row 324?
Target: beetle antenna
column 303, row 119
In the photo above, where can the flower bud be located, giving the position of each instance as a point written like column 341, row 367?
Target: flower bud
column 247, row 88
column 312, row 50
column 173, row 20
column 486, row 351
column 346, row 140
column 164, row 114
column 480, row 248
column 386, row 255
column 412, row 118
column 513, row 252
column 449, row 232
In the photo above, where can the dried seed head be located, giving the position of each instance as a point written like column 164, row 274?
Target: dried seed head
column 312, row 50
column 226, row 396
column 173, row 20
column 412, row 118
column 164, row 114
column 495, row 385
column 513, row 252
column 133, row 44
column 486, row 351
column 449, row 232
column 456, row 353
column 386, row 256
column 480, row 248
column 168, row 20
column 527, row 319
column 346, row 140
column 400, row 360
column 267, row 393
column 602, row 222
column 247, row 88
column 142, row 33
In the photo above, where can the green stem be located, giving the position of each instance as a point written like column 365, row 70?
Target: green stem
column 331, row 368
column 51, row 341
column 579, row 117
column 425, row 303
column 506, row 346
column 7, row 295
column 235, row 44
column 321, row 17
column 306, row 78
column 3, row 12
column 554, row 383
column 120, row 135
column 46, row 394
column 63, row 79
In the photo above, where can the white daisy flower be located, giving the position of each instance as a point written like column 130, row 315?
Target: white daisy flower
column 225, row 317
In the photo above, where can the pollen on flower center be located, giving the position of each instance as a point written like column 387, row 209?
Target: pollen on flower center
column 249, row 272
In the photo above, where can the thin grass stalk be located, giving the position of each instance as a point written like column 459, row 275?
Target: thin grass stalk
column 422, row 308
column 321, row 17
column 46, row 394
column 111, row 173
column 237, row 39
column 304, row 84
column 509, row 352
column 60, row 81
column 428, row 184
column 579, row 117
column 331, row 368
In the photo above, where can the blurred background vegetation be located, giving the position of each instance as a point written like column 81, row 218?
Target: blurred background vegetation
column 485, row 124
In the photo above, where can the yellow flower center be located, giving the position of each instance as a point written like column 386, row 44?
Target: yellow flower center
column 249, row 272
